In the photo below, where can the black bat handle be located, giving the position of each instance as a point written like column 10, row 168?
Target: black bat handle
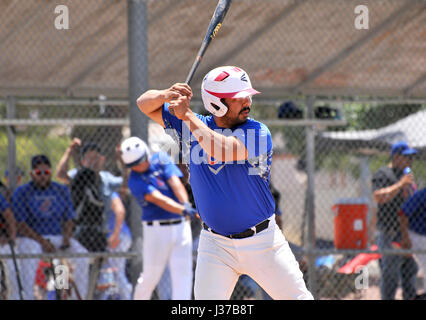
column 192, row 71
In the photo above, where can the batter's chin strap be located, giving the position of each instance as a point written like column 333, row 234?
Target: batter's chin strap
column 223, row 101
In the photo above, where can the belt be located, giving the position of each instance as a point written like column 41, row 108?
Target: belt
column 245, row 234
column 164, row 223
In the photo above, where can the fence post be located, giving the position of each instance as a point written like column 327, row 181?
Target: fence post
column 137, row 22
column 11, row 143
column 138, row 64
column 310, row 200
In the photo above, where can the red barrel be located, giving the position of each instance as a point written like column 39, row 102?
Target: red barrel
column 350, row 223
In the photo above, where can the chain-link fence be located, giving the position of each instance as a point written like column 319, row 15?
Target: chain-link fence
column 320, row 65
column 345, row 210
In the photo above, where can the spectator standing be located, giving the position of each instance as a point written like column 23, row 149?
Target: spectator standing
column 102, row 223
column 391, row 188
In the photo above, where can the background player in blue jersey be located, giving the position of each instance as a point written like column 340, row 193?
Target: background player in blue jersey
column 155, row 183
column 413, row 226
column 44, row 213
column 229, row 156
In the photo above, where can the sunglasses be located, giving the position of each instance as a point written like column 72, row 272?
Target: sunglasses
column 39, row 172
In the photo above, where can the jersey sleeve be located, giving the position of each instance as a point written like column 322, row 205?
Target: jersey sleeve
column 414, row 204
column 3, row 203
column 170, row 121
column 176, row 128
column 257, row 139
column 140, row 188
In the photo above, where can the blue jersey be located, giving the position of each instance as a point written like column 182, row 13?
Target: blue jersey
column 160, row 170
column 44, row 210
column 3, row 204
column 231, row 196
column 415, row 210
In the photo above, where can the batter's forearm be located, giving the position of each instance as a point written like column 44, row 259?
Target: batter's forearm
column 216, row 145
column 151, row 101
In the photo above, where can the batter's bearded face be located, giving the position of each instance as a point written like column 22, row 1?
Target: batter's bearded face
column 238, row 109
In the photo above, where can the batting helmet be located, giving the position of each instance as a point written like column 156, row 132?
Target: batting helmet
column 133, row 151
column 224, row 82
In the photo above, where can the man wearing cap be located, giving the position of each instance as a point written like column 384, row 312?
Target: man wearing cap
column 391, row 187
column 155, row 183
column 44, row 213
column 230, row 158
column 110, row 230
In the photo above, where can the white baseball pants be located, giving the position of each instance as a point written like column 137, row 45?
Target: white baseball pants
column 266, row 257
column 161, row 245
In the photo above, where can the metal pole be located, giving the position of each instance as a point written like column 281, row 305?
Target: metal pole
column 137, row 64
column 310, row 200
column 11, row 143
column 138, row 83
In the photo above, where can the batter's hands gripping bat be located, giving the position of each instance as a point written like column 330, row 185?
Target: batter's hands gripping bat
column 214, row 26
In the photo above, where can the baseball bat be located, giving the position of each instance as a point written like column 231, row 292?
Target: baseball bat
column 212, row 30
column 214, row 26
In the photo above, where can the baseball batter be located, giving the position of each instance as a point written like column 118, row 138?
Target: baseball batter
column 155, row 184
column 229, row 156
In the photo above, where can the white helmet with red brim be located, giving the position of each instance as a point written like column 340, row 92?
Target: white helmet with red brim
column 224, row 82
